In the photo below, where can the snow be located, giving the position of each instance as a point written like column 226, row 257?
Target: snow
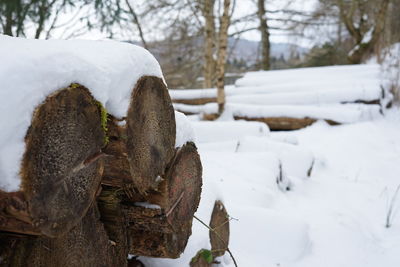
column 32, row 69
column 331, row 93
column 184, row 130
column 209, row 108
column 334, row 218
column 355, row 76
column 192, row 93
column 206, row 131
column 307, row 198
column 345, row 113
column 325, row 96
column 147, row 205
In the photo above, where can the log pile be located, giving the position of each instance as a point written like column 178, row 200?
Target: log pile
column 96, row 188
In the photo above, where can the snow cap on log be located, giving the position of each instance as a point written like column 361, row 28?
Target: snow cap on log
column 33, row 69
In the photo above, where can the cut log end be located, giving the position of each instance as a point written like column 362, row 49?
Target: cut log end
column 164, row 232
column 59, row 176
column 184, row 180
column 150, row 132
column 219, row 235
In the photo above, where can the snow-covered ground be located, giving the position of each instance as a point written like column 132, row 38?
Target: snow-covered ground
column 335, row 217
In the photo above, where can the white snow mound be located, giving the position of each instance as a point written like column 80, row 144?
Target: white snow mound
column 32, row 69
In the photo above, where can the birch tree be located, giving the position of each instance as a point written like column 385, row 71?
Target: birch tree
column 265, row 43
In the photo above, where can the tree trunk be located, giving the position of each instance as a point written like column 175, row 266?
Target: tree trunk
column 209, row 61
column 221, row 61
column 364, row 45
column 265, row 44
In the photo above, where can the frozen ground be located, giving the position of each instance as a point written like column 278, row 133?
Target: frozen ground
column 335, row 217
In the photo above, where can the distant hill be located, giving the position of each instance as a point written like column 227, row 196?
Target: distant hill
column 249, row 50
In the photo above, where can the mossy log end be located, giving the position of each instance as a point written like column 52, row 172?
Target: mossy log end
column 60, row 170
column 219, row 235
column 86, row 244
column 150, row 132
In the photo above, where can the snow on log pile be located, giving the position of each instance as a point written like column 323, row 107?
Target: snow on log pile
column 94, row 162
column 293, row 99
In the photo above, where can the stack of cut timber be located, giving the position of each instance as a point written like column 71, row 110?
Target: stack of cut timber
column 95, row 187
column 293, row 99
column 147, row 190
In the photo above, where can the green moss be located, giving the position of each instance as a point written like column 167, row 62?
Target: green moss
column 74, row 85
column 103, row 113
column 104, row 119
column 205, row 254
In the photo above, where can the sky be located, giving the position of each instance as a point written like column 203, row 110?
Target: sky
column 243, row 7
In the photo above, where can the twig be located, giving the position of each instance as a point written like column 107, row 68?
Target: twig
column 391, row 206
column 219, row 237
column 91, row 159
column 175, row 204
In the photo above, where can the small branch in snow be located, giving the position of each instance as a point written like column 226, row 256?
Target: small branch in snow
column 219, row 237
column 390, row 215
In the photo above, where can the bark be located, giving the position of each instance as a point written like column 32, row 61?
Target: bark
column 222, row 50
column 55, row 221
column 60, row 170
column 362, row 47
column 285, row 123
column 150, row 132
column 196, row 101
column 209, row 30
column 86, row 244
column 265, row 43
column 168, row 227
column 162, row 228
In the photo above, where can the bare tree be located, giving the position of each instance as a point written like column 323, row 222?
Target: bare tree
column 222, row 50
column 17, row 16
column 209, row 47
column 265, row 43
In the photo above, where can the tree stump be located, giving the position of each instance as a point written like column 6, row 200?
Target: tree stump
column 60, row 171
column 219, row 236
column 150, row 132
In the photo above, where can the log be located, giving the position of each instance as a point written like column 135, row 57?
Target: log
column 169, row 227
column 86, row 244
column 158, row 223
column 150, row 132
column 60, row 170
column 14, row 214
column 285, row 123
column 219, row 235
column 196, row 101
